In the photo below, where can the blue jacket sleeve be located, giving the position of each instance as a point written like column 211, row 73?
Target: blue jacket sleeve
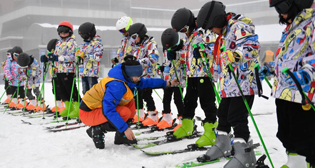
column 151, row 83
column 114, row 92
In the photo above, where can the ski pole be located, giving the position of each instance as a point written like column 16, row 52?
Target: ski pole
column 179, row 86
column 250, row 113
column 138, row 122
column 158, row 94
column 9, row 102
column 208, row 70
column 54, row 76
column 299, row 87
column 16, row 91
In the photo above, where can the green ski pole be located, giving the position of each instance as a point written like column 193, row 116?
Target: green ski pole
column 250, row 113
column 179, row 86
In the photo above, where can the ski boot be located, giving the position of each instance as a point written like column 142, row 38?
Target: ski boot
column 74, row 113
column 222, row 148
column 152, row 118
column 6, row 101
column 141, row 116
column 97, row 134
column 120, row 138
column 186, row 129
column 13, row 103
column 179, row 118
column 243, row 155
column 21, row 105
column 295, row 160
column 64, row 112
column 166, row 122
column 208, row 137
column 31, row 106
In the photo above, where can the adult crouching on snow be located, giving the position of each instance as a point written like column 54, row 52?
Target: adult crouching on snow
column 109, row 104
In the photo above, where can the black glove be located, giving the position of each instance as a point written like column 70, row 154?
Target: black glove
column 161, row 68
column 196, row 52
column 171, row 55
column 43, row 58
column 115, row 60
column 52, row 57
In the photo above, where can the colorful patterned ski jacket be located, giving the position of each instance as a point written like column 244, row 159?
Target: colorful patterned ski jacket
column 7, row 61
column 169, row 69
column 65, row 50
column 34, row 75
column 148, row 55
column 296, row 51
column 93, row 52
column 196, row 67
column 115, row 90
column 238, row 38
column 15, row 74
column 124, row 49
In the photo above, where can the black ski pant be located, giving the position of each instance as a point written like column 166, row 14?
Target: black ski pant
column 18, row 91
column 202, row 88
column 56, row 82
column 167, row 97
column 6, row 86
column 296, row 129
column 88, row 83
column 146, row 95
column 65, row 81
column 36, row 91
column 232, row 112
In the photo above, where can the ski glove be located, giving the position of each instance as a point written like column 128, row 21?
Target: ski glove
column 52, row 57
column 196, row 52
column 79, row 53
column 115, row 60
column 171, row 55
column 302, row 77
column 43, row 58
column 161, row 68
column 266, row 70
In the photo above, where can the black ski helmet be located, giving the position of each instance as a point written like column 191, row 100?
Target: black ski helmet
column 212, row 14
column 138, row 28
column 52, row 44
column 17, row 49
column 169, row 38
column 301, row 4
column 87, row 30
column 23, row 59
column 31, row 60
column 181, row 18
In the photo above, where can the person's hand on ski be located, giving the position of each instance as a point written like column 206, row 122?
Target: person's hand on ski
column 129, row 134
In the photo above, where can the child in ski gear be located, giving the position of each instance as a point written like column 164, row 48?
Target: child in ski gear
column 49, row 60
column 146, row 51
column 16, row 74
column 33, row 82
column 6, row 81
column 295, row 53
column 109, row 105
column 65, row 69
column 199, row 84
column 90, row 54
column 122, row 25
column 173, row 68
column 237, row 34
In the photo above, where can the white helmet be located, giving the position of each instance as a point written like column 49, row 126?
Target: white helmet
column 124, row 22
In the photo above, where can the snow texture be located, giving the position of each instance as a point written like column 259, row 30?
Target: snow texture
column 29, row 146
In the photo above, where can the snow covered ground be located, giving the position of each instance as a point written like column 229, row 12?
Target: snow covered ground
column 30, row 146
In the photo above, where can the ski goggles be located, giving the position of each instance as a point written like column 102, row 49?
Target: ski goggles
column 134, row 36
column 123, row 31
column 283, row 7
column 63, row 29
column 184, row 29
column 16, row 54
